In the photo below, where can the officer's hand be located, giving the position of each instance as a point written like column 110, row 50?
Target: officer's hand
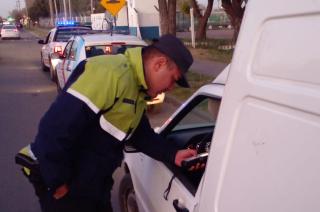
column 184, row 154
column 61, row 191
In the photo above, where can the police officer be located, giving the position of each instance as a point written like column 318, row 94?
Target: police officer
column 81, row 137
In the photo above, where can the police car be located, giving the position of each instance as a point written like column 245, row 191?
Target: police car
column 55, row 42
column 82, row 47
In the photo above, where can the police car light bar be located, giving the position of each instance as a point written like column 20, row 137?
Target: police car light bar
column 65, row 23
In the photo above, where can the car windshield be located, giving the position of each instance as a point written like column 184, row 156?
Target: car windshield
column 63, row 35
column 107, row 49
column 9, row 27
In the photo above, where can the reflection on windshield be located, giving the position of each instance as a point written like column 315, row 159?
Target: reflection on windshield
column 96, row 50
column 65, row 34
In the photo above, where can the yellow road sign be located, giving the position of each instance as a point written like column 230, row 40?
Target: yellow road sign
column 113, row 6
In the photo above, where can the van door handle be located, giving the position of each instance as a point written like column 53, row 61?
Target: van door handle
column 178, row 206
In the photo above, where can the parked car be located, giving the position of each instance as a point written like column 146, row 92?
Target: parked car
column 262, row 153
column 55, row 42
column 9, row 31
column 83, row 47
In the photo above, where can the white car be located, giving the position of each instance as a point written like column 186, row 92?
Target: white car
column 82, row 47
column 55, row 42
column 10, row 31
column 149, row 182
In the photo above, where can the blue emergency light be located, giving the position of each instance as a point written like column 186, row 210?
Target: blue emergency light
column 65, row 23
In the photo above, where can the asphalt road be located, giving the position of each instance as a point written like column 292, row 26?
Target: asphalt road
column 25, row 94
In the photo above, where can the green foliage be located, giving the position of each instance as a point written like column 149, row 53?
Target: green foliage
column 83, row 7
column 16, row 14
column 185, row 7
column 39, row 8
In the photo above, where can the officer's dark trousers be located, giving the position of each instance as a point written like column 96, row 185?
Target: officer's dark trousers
column 70, row 202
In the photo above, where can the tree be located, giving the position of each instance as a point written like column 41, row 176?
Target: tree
column 17, row 15
column 202, row 19
column 235, row 10
column 39, row 8
column 83, row 7
column 167, row 11
column 185, row 7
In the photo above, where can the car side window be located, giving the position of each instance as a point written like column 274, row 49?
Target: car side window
column 200, row 115
column 47, row 38
column 193, row 128
column 66, row 52
column 51, row 36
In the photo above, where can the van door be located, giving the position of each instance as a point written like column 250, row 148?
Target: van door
column 266, row 143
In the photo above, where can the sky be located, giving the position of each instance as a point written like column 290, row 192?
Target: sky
column 9, row 5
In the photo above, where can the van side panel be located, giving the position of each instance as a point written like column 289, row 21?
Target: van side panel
column 266, row 144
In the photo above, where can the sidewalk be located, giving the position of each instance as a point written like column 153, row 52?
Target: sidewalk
column 207, row 67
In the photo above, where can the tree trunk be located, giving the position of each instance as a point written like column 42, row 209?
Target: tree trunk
column 202, row 19
column 172, row 4
column 167, row 13
column 235, row 13
column 164, row 18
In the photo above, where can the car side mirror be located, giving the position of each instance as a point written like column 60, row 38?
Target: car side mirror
column 41, row 42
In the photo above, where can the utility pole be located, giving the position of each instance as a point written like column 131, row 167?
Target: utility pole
column 51, row 12
column 193, row 42
column 55, row 7
column 91, row 3
column 18, row 5
column 70, row 15
column 65, row 10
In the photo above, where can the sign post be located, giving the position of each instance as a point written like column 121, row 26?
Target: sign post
column 113, row 6
column 193, row 42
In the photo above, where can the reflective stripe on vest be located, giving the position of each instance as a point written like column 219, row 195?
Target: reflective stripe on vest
column 84, row 99
column 112, row 130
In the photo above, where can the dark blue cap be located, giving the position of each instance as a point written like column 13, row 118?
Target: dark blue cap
column 176, row 51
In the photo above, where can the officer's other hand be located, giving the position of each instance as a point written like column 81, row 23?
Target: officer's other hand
column 184, row 154
column 61, row 191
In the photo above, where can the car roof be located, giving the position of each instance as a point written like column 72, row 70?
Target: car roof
column 9, row 25
column 93, row 39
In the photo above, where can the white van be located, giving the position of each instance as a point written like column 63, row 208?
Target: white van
column 264, row 148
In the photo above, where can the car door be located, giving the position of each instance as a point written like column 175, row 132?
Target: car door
column 166, row 187
column 72, row 59
column 45, row 50
column 62, row 66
